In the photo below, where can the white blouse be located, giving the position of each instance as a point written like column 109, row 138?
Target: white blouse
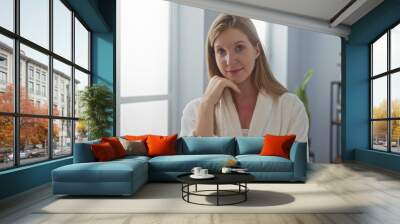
column 283, row 116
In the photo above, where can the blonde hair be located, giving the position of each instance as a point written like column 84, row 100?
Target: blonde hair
column 262, row 76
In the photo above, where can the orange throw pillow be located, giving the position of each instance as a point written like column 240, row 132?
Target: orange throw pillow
column 161, row 145
column 116, row 145
column 277, row 145
column 103, row 152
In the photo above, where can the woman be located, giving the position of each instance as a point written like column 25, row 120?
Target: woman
column 243, row 98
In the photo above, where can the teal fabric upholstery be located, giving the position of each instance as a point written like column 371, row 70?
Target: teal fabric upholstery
column 206, row 145
column 126, row 175
column 184, row 163
column 118, row 177
column 83, row 152
column 298, row 155
column 249, row 145
column 257, row 163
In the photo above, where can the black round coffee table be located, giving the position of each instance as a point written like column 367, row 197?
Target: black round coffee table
column 238, row 179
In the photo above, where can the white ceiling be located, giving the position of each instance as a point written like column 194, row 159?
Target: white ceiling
column 315, row 15
column 319, row 9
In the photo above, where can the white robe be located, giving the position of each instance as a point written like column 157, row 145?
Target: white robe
column 284, row 116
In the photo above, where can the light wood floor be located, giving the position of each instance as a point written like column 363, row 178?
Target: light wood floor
column 378, row 188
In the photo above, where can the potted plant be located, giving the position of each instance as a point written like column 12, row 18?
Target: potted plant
column 302, row 94
column 96, row 102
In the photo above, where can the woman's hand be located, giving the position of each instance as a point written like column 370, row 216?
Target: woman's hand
column 215, row 89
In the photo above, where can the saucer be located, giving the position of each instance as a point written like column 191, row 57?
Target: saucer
column 208, row 176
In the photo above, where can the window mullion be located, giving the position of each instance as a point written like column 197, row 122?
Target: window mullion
column 50, row 81
column 16, row 84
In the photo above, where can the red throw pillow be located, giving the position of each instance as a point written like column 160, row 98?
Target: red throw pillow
column 277, row 145
column 103, row 151
column 161, row 145
column 116, row 145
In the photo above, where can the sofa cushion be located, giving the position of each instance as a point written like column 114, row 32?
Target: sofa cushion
column 249, row 145
column 277, row 145
column 116, row 145
column 103, row 152
column 159, row 145
column 185, row 163
column 206, row 145
column 257, row 163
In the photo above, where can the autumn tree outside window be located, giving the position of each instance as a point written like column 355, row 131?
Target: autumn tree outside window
column 44, row 64
column 385, row 91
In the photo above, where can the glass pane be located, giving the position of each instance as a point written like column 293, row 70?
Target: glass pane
column 33, row 139
column 143, row 120
column 152, row 72
column 62, row 29
column 261, row 27
column 81, row 45
column 81, row 81
column 62, row 89
column 6, row 74
column 395, row 136
column 34, row 92
column 395, row 47
column 379, row 55
column 379, row 100
column 379, row 135
column 6, row 142
column 62, row 138
column 395, row 94
column 35, row 21
column 81, row 131
column 7, row 14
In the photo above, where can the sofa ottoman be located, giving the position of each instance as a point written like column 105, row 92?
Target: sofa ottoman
column 118, row 177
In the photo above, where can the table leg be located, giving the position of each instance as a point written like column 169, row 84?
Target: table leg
column 245, row 191
column 196, row 188
column 217, row 194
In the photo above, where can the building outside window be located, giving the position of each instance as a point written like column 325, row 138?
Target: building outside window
column 34, row 75
column 30, row 87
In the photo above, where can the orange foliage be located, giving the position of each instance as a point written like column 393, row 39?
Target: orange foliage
column 34, row 130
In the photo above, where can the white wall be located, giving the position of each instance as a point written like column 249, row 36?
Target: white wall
column 321, row 52
column 189, row 79
column 277, row 51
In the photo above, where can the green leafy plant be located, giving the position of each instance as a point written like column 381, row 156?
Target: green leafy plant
column 96, row 102
column 301, row 91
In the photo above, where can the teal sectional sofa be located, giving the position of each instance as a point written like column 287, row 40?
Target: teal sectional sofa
column 125, row 176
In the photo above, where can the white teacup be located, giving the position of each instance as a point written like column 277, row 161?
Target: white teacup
column 203, row 172
column 226, row 170
column 196, row 170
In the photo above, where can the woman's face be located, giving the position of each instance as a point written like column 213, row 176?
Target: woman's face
column 235, row 55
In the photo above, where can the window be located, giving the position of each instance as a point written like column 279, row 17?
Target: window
column 3, row 72
column 37, row 74
column 38, row 89
column 385, row 94
column 30, row 72
column 45, row 131
column 3, row 78
column 3, row 61
column 30, row 87
column 81, row 45
column 151, row 93
column 43, row 90
column 7, row 14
